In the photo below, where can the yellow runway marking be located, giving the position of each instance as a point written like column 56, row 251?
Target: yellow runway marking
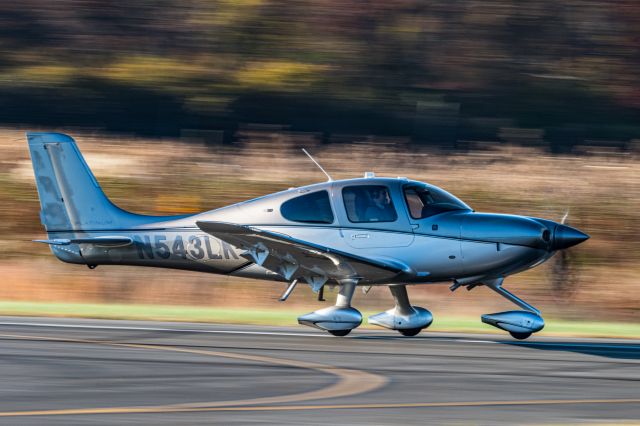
column 351, row 382
column 183, row 409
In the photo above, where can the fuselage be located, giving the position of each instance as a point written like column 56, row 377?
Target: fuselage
column 421, row 226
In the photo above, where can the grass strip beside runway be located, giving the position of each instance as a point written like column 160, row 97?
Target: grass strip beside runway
column 287, row 317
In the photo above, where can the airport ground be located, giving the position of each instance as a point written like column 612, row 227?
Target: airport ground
column 79, row 371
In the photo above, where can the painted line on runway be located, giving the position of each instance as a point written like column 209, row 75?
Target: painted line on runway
column 623, row 346
column 350, row 382
column 175, row 330
column 197, row 330
column 181, row 409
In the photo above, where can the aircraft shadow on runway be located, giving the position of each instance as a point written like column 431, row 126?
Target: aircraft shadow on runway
column 609, row 350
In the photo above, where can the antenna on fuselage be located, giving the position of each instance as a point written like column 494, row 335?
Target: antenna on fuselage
column 317, row 164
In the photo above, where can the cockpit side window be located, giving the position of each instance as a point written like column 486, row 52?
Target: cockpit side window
column 424, row 201
column 414, row 202
column 368, row 203
column 309, row 208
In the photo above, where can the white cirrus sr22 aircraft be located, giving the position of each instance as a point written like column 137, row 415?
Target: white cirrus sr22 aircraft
column 357, row 232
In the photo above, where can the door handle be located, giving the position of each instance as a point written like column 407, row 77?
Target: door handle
column 354, row 236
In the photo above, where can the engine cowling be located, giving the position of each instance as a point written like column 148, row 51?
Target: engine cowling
column 518, row 323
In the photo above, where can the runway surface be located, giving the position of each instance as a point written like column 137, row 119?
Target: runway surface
column 70, row 371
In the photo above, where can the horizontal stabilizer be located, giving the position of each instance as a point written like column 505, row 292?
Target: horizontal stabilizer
column 98, row 241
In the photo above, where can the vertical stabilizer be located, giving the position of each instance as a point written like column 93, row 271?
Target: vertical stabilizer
column 70, row 197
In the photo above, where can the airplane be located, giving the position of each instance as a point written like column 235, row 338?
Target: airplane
column 364, row 232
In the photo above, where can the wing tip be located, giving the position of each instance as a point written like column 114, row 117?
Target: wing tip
column 56, row 242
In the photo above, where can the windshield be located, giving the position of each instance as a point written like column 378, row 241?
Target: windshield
column 426, row 200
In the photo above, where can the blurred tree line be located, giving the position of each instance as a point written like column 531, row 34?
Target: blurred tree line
column 434, row 71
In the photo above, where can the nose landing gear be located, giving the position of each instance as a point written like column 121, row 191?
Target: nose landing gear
column 520, row 324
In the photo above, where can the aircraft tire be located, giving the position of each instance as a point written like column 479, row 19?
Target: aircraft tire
column 339, row 333
column 520, row 336
column 409, row 332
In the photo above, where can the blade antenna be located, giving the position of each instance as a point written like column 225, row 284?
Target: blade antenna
column 318, row 164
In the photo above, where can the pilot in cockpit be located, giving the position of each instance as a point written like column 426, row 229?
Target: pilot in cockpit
column 381, row 209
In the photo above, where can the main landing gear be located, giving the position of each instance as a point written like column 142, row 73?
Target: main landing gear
column 340, row 319
column 408, row 320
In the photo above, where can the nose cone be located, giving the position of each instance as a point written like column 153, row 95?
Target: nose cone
column 566, row 236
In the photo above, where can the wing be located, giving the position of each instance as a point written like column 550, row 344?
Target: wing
column 296, row 259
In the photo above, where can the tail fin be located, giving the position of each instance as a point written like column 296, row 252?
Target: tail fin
column 70, row 197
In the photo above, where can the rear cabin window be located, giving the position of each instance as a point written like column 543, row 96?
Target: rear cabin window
column 368, row 203
column 308, row 208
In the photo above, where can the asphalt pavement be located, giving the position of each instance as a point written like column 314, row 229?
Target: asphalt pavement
column 99, row 372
